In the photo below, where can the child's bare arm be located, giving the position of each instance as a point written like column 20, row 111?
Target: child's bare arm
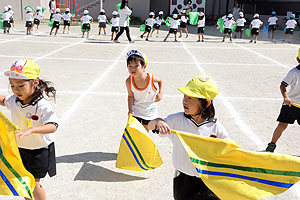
column 2, row 99
column 285, row 96
column 160, row 83
column 130, row 97
column 160, row 125
column 44, row 129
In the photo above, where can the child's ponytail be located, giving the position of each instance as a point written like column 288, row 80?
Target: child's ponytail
column 45, row 87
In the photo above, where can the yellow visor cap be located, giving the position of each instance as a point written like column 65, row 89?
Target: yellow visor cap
column 299, row 54
column 201, row 86
column 23, row 69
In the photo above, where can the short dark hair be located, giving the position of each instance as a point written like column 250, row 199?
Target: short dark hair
column 136, row 58
column 207, row 112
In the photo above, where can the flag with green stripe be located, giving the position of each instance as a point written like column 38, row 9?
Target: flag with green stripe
column 233, row 173
column 137, row 151
column 15, row 180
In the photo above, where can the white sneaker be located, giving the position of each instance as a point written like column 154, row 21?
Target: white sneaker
column 132, row 41
column 116, row 41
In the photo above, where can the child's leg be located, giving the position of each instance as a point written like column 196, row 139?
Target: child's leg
column 104, row 31
column 290, row 38
column 273, row 34
column 39, row 192
column 198, row 37
column 152, row 32
column 278, row 131
column 180, row 31
column 202, row 37
column 56, row 31
column 112, row 35
column 230, row 36
column 224, row 36
column 157, row 32
column 167, row 37
column 147, row 36
column 175, row 35
column 143, row 34
column 186, row 32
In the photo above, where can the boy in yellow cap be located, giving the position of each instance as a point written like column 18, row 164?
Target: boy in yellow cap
column 35, row 117
column 290, row 110
column 197, row 118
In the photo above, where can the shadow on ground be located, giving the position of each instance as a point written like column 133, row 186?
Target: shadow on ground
column 86, row 157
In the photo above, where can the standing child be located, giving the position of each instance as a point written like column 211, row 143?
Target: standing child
column 183, row 23
column 12, row 22
column 86, row 26
column 29, row 20
column 67, row 20
column 142, row 92
column 57, row 17
column 240, row 25
column 158, row 21
column 102, row 21
column 173, row 28
column 37, row 18
column 290, row 26
column 197, row 118
column 35, row 117
column 290, row 110
column 149, row 23
column 228, row 27
column 272, row 21
column 201, row 26
column 255, row 26
column 6, row 17
column 115, row 22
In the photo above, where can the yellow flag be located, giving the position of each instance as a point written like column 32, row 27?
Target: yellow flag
column 137, row 151
column 14, row 179
column 232, row 173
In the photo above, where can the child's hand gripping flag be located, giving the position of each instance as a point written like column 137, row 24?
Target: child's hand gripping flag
column 137, row 151
column 14, row 179
column 232, row 173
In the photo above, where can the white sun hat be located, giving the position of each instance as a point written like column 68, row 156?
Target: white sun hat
column 161, row 13
column 85, row 12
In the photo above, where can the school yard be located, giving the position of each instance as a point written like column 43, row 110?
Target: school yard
column 90, row 74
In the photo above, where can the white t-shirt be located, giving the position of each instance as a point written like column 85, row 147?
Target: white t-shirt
column 256, row 23
column 52, row 6
column 174, row 24
column 293, row 80
column 150, row 22
column 29, row 16
column 6, row 16
column 201, row 22
column 158, row 20
column 291, row 23
column 57, row 17
column 115, row 21
column 179, row 122
column 272, row 20
column 229, row 23
column 22, row 117
column 11, row 12
column 86, row 19
column 38, row 16
column 67, row 17
column 101, row 18
column 184, row 19
column 123, row 16
column 241, row 21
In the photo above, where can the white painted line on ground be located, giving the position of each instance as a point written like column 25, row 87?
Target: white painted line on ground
column 233, row 112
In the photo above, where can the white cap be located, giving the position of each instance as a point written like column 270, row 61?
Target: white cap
column 161, row 13
column 175, row 16
column 28, row 9
column 57, row 10
column 230, row 15
column 256, row 15
column 241, row 14
column 201, row 14
column 151, row 14
column 183, row 11
column 9, row 6
column 115, row 13
column 38, row 8
column 5, row 8
column 102, row 10
column 67, row 9
column 85, row 12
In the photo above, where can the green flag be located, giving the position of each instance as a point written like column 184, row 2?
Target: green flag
column 51, row 22
column 194, row 18
column 168, row 24
column 118, row 6
column 28, row 7
column 142, row 27
column 43, row 10
column 234, row 27
column 248, row 31
column 220, row 24
column 1, row 21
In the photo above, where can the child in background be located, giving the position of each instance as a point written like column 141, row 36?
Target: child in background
column 184, row 19
column 35, row 117
column 290, row 110
column 102, row 21
column 290, row 26
column 197, row 118
column 115, row 22
column 272, row 21
column 37, row 18
column 158, row 21
column 201, row 26
column 240, row 25
column 29, row 20
column 173, row 28
column 57, row 17
column 12, row 22
column 149, row 23
column 67, row 20
column 6, row 17
column 228, row 27
column 255, row 26
column 86, row 20
column 142, row 92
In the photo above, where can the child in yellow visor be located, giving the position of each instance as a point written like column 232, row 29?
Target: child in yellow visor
column 290, row 110
column 35, row 117
column 197, row 118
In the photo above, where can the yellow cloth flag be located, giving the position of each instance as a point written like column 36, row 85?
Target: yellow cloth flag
column 14, row 179
column 137, row 151
column 232, row 173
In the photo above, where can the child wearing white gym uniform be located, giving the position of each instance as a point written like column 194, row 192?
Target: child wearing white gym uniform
column 86, row 20
column 184, row 19
column 29, row 20
column 102, row 20
column 149, row 24
column 228, row 27
column 142, row 93
column 201, row 26
column 158, row 21
column 240, row 25
column 37, row 18
column 290, row 26
column 272, row 21
column 197, row 118
column 57, row 17
column 173, row 28
column 115, row 22
column 12, row 22
column 255, row 26
column 6, row 16
column 67, row 20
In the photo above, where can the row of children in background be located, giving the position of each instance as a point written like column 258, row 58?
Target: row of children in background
column 67, row 17
column 8, row 18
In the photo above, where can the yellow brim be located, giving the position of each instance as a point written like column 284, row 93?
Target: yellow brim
column 185, row 90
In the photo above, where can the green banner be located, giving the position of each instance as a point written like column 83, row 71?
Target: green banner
column 248, row 32
column 168, row 24
column 142, row 27
column 194, row 18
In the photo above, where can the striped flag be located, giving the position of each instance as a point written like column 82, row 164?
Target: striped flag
column 232, row 173
column 14, row 179
column 137, row 151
